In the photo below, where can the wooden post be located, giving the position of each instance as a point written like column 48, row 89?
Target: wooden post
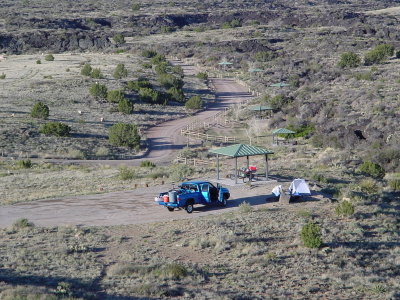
column 266, row 166
column 248, row 164
column 236, row 172
column 217, row 166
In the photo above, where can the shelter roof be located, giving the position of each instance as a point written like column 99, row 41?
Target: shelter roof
column 282, row 131
column 260, row 107
column 239, row 150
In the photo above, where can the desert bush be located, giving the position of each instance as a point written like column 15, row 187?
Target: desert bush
column 96, row 73
column 344, row 208
column 150, row 95
column 369, row 186
column 302, row 130
column 120, row 71
column 279, row 101
column 169, row 81
column 398, row 54
column 232, row 24
column 194, row 102
column 394, row 185
column 149, row 53
column 157, row 59
column 126, row 135
column 115, row 96
column 179, row 172
column 38, row 62
column 40, row 111
column 176, row 94
column 350, row 60
column 264, row 56
column 49, row 57
column 363, row 76
column 147, row 164
column 102, row 151
column 86, row 70
column 22, row 223
column 173, row 270
column 3, row 76
column 378, row 54
column 166, row 29
column 140, row 83
column 119, row 39
column 126, row 173
column 99, row 91
column 319, row 177
column 162, row 68
column 178, row 71
column 245, row 207
column 135, row 6
column 55, row 128
column 202, row 75
column 24, row 164
column 125, row 106
column 372, row 169
column 311, row 235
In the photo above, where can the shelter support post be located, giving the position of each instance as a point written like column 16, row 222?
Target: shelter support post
column 217, row 167
column 236, row 170
column 248, row 164
column 266, row 166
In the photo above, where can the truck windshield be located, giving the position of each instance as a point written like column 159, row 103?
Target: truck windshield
column 190, row 187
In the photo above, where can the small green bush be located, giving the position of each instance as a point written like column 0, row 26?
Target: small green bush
column 398, row 54
column 173, row 270
column 119, row 39
column 140, row 83
column 55, row 128
column 150, row 95
column 311, row 235
column 379, row 54
column 302, row 130
column 179, row 172
column 162, row 68
column 279, row 101
column 3, row 76
column 372, row 169
column 169, row 81
column 363, row 76
column 40, row 111
column 157, row 59
column 126, row 173
column 24, row 164
column 22, row 223
column 394, row 185
column 176, row 94
column 120, row 71
column 99, row 91
column 232, row 24
column 166, row 29
column 49, row 57
column 96, row 73
column 369, row 186
column 38, row 62
column 125, row 106
column 147, row 164
column 245, row 208
column 202, row 76
column 149, row 53
column 345, row 208
column 135, row 6
column 350, row 60
column 194, row 102
column 264, row 56
column 115, row 96
column 126, row 135
column 86, row 70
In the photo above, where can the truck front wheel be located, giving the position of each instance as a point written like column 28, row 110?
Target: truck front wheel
column 189, row 208
column 170, row 208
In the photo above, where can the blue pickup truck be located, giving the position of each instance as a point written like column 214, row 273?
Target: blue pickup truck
column 193, row 192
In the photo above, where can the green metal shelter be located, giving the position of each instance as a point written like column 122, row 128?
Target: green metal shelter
column 255, row 70
column 241, row 150
column 260, row 108
column 280, row 131
column 280, row 84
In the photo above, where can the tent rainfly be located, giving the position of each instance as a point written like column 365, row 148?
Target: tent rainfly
column 241, row 150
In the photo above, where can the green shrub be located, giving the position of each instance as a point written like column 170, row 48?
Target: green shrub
column 166, row 29
column 38, row 62
column 245, row 207
column 372, row 169
column 394, row 185
column 99, row 91
column 147, row 164
column 96, row 73
column 40, row 111
column 126, row 173
column 173, row 270
column 320, row 178
column 279, row 101
column 149, row 53
column 86, row 70
column 157, row 59
column 49, row 57
column 264, row 56
column 147, row 65
column 119, row 39
column 126, row 135
column 3, row 76
column 125, row 106
column 22, row 223
column 232, row 24
column 302, row 130
column 345, row 208
column 397, row 54
column 311, row 235
column 369, row 186
column 176, row 94
column 120, row 71
column 140, row 83
column 162, row 68
column 350, row 60
column 178, row 71
column 149, row 95
column 169, row 81
column 202, row 76
column 378, row 54
column 194, row 102
column 135, row 6
column 179, row 172
column 363, row 76
column 24, row 164
column 55, row 128
column 115, row 96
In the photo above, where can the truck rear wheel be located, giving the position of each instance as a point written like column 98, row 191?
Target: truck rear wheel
column 189, row 208
column 170, row 208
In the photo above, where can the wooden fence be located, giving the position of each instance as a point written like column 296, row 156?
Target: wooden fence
column 193, row 161
column 208, row 137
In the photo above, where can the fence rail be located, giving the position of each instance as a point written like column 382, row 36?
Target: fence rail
column 208, row 137
column 193, row 161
